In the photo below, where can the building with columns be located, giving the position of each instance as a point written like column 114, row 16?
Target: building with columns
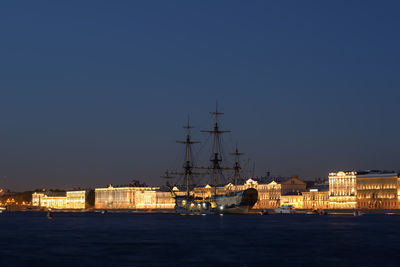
column 68, row 200
column 295, row 201
column 269, row 195
column 378, row 190
column 133, row 198
column 342, row 190
column 316, row 199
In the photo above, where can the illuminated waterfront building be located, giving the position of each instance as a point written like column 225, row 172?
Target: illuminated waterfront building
column 72, row 200
column 36, row 199
column 44, row 201
column 164, row 200
column 54, row 202
column 203, row 192
column 250, row 183
column 343, row 190
column 293, row 186
column 133, row 198
column 268, row 194
column 378, row 190
column 76, row 199
column 207, row 191
column 154, row 200
column 293, row 200
column 315, row 199
column 176, row 191
column 115, row 197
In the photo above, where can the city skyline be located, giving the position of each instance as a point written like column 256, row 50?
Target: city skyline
column 96, row 93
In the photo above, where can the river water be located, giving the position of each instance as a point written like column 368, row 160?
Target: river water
column 131, row 239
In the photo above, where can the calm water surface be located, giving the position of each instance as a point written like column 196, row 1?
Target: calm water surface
column 129, row 239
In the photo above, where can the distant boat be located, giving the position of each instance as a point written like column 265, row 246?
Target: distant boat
column 323, row 212
column 357, row 213
column 264, row 212
column 286, row 209
column 49, row 215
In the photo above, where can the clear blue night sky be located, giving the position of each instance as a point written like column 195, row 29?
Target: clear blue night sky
column 95, row 92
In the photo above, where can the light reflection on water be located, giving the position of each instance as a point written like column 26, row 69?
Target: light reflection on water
column 84, row 239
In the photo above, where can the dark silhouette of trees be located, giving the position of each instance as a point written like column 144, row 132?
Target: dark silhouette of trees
column 137, row 183
column 90, row 199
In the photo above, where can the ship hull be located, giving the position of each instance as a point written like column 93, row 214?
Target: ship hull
column 236, row 210
column 236, row 203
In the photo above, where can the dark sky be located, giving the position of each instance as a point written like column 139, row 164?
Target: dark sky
column 96, row 92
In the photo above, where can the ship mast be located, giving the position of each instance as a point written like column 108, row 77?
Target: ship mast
column 187, row 166
column 236, row 166
column 216, row 157
column 166, row 176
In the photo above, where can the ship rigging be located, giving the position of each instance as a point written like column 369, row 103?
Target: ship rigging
column 238, row 201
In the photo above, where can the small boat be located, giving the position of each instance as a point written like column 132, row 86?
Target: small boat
column 103, row 211
column 357, row 213
column 49, row 215
column 323, row 212
column 315, row 212
column 264, row 212
column 286, row 209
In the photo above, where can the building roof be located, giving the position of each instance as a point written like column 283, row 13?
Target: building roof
column 110, row 187
column 365, row 172
column 320, row 187
column 377, row 175
column 293, row 180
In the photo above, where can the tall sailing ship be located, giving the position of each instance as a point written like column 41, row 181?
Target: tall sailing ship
column 233, row 202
